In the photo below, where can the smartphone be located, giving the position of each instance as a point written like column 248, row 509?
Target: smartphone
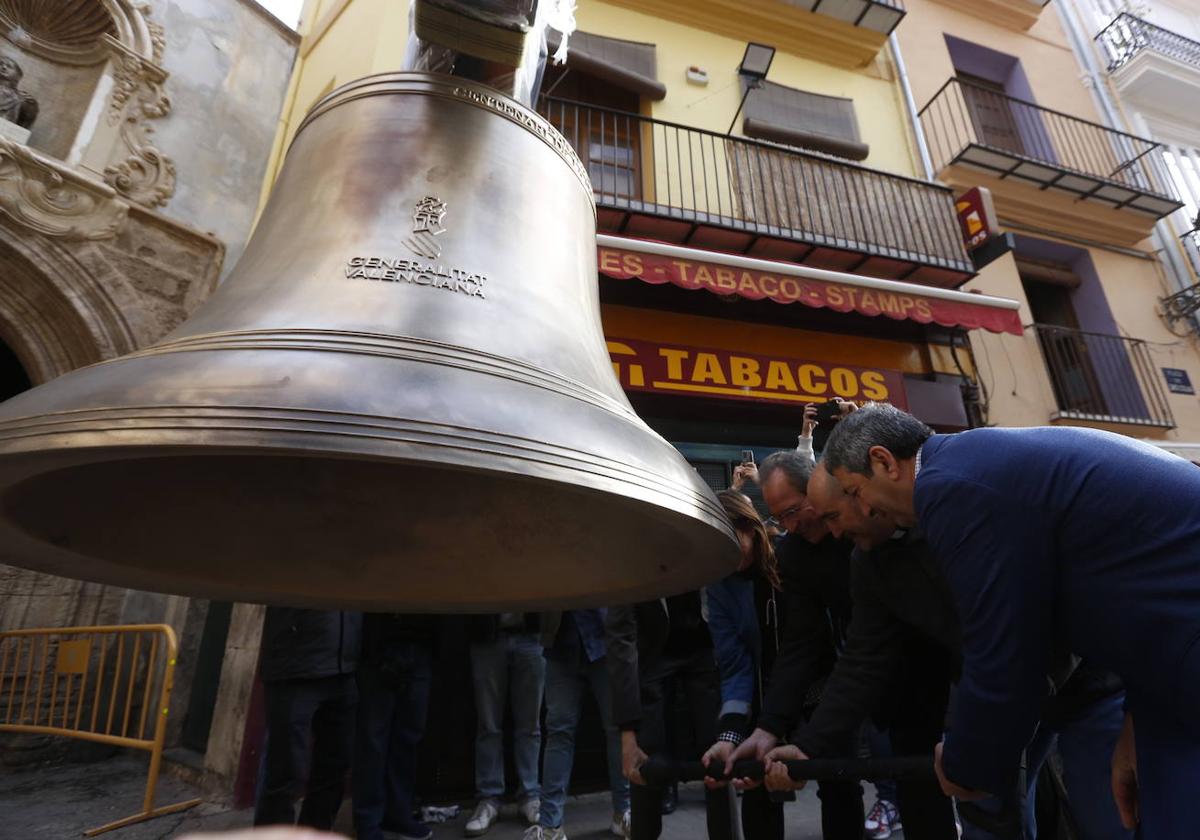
column 747, row 456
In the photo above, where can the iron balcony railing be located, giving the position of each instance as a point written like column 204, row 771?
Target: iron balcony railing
column 1103, row 378
column 972, row 123
column 662, row 169
column 1128, row 35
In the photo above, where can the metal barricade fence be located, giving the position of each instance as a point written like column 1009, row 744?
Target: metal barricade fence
column 111, row 685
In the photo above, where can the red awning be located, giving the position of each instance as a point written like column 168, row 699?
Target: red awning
column 730, row 274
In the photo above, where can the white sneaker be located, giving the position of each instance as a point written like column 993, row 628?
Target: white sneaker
column 537, row 832
column 620, row 824
column 531, row 809
column 482, row 817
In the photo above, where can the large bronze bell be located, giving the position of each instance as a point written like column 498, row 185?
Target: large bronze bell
column 400, row 399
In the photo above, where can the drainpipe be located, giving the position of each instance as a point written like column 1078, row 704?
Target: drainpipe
column 914, row 120
column 1163, row 236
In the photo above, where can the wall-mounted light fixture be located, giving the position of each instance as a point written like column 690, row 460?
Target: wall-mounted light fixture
column 756, row 61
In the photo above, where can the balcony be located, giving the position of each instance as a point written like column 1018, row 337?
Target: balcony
column 1151, row 67
column 845, row 33
column 669, row 182
column 1015, row 14
column 1045, row 168
column 1103, row 378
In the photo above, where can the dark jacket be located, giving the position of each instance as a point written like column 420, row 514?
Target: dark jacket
column 743, row 617
column 899, row 592
column 897, row 589
column 384, row 634
column 485, row 629
column 816, row 583
column 1083, row 536
column 574, row 633
column 309, row 644
column 638, row 634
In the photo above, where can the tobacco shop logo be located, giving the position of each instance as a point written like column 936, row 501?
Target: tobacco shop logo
column 427, row 224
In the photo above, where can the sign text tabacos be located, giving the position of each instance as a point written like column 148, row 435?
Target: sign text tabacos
column 708, row 372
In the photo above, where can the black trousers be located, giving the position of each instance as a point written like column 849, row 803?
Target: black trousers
column 915, row 724
column 694, row 677
column 391, row 722
column 762, row 816
column 310, row 735
column 842, row 813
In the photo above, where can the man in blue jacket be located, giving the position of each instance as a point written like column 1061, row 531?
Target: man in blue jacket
column 1052, row 537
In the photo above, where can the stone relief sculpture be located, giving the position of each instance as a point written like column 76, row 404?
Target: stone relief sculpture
column 120, row 36
column 16, row 106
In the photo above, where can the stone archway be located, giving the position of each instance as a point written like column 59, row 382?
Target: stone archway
column 54, row 315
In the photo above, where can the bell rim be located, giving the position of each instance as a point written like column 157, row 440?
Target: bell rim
column 78, row 438
column 707, row 546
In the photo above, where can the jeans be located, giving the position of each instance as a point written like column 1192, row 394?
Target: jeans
column 695, row 678
column 393, row 704
column 566, row 683
column 1086, row 746
column 511, row 667
column 1168, row 764
column 306, row 718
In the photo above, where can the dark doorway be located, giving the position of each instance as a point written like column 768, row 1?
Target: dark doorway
column 1065, row 348
column 991, row 114
column 13, row 378
column 206, row 677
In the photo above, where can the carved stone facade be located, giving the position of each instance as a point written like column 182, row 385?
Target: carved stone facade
column 126, row 45
column 53, row 200
column 145, row 175
column 104, row 223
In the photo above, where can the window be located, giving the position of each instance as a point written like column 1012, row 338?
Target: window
column 613, row 167
column 601, row 121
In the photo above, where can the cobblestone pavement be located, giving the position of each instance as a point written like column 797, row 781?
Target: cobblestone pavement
column 60, row 802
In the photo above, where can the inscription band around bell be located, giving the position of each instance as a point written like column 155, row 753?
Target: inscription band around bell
column 400, row 399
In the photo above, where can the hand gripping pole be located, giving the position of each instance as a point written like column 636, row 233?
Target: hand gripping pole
column 662, row 771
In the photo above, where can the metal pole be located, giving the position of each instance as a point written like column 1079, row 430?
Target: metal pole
column 749, row 87
column 913, row 116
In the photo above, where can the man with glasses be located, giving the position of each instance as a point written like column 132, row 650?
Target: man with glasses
column 815, row 568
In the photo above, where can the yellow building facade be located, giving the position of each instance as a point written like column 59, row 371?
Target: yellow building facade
column 688, row 168
column 1004, row 105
